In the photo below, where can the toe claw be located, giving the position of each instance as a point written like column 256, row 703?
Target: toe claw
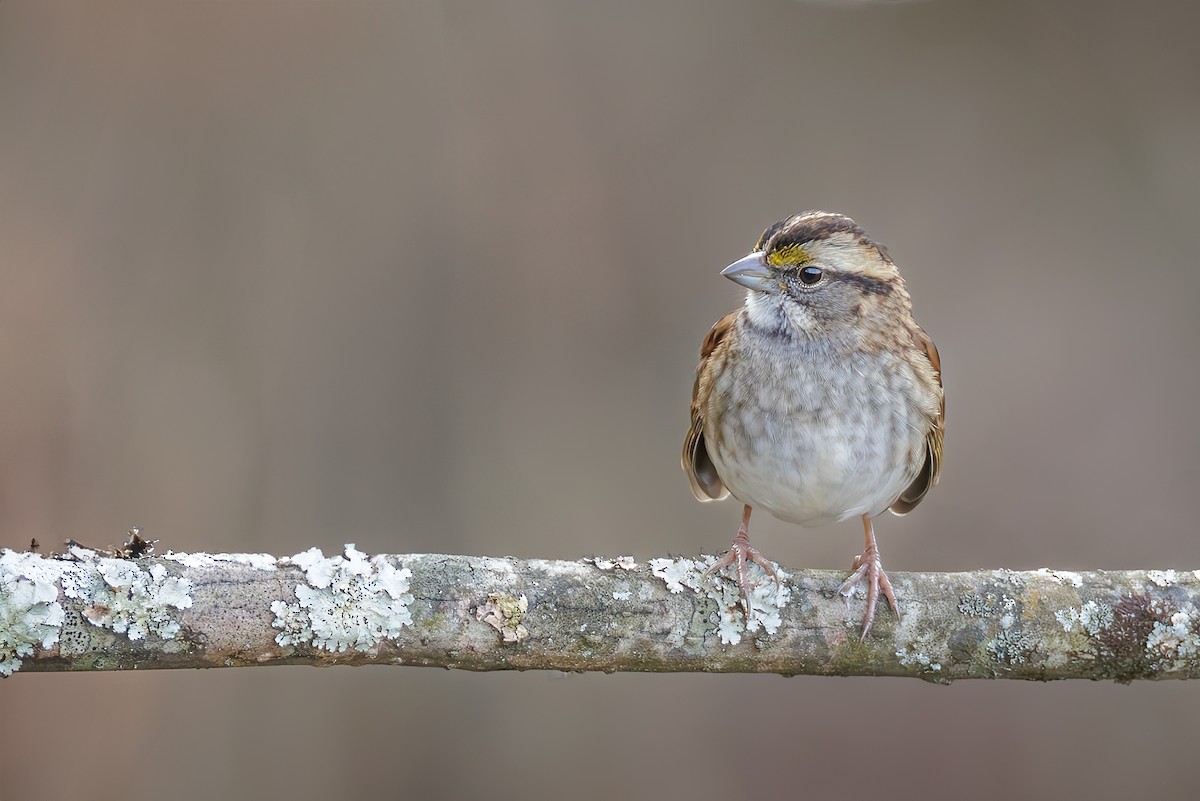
column 868, row 566
column 739, row 554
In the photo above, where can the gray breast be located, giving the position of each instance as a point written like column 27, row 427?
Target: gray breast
column 815, row 431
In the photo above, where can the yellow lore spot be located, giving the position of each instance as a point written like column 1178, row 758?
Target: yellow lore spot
column 788, row 255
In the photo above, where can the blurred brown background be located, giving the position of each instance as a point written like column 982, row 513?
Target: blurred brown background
column 431, row 276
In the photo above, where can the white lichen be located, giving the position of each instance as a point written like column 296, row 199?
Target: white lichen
column 1011, row 646
column 767, row 598
column 986, row 606
column 1092, row 618
column 1010, row 577
column 30, row 614
column 260, row 561
column 675, row 573
column 115, row 594
column 1062, row 576
column 910, row 657
column 349, row 601
column 137, row 603
column 1170, row 643
column 1162, row 578
column 623, row 562
column 976, row 605
column 1095, row 617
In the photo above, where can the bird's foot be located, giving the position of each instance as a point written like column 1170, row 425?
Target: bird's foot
column 740, row 554
column 868, row 567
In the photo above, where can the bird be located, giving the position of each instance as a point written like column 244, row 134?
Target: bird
column 820, row 399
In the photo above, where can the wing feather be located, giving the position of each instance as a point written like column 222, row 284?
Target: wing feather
column 933, row 441
column 701, row 472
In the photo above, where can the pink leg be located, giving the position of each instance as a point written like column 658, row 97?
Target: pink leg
column 739, row 553
column 869, row 566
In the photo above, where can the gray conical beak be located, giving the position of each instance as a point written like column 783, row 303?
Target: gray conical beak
column 751, row 272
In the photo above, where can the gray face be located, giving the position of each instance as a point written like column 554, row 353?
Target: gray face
column 819, row 285
column 830, row 296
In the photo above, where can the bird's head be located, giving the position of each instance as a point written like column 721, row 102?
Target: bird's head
column 817, row 273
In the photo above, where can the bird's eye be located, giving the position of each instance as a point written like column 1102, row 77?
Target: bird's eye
column 810, row 275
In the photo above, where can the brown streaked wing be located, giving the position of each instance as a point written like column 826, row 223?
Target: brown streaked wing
column 933, row 441
column 701, row 472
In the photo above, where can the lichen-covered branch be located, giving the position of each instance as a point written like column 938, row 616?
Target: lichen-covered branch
column 88, row 611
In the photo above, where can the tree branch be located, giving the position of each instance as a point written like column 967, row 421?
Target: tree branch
column 88, row 611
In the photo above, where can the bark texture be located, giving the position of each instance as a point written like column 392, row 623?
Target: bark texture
column 88, row 611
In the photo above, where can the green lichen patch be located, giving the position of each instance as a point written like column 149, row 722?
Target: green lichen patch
column 504, row 613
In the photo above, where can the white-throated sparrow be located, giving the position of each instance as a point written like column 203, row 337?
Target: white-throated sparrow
column 821, row 398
